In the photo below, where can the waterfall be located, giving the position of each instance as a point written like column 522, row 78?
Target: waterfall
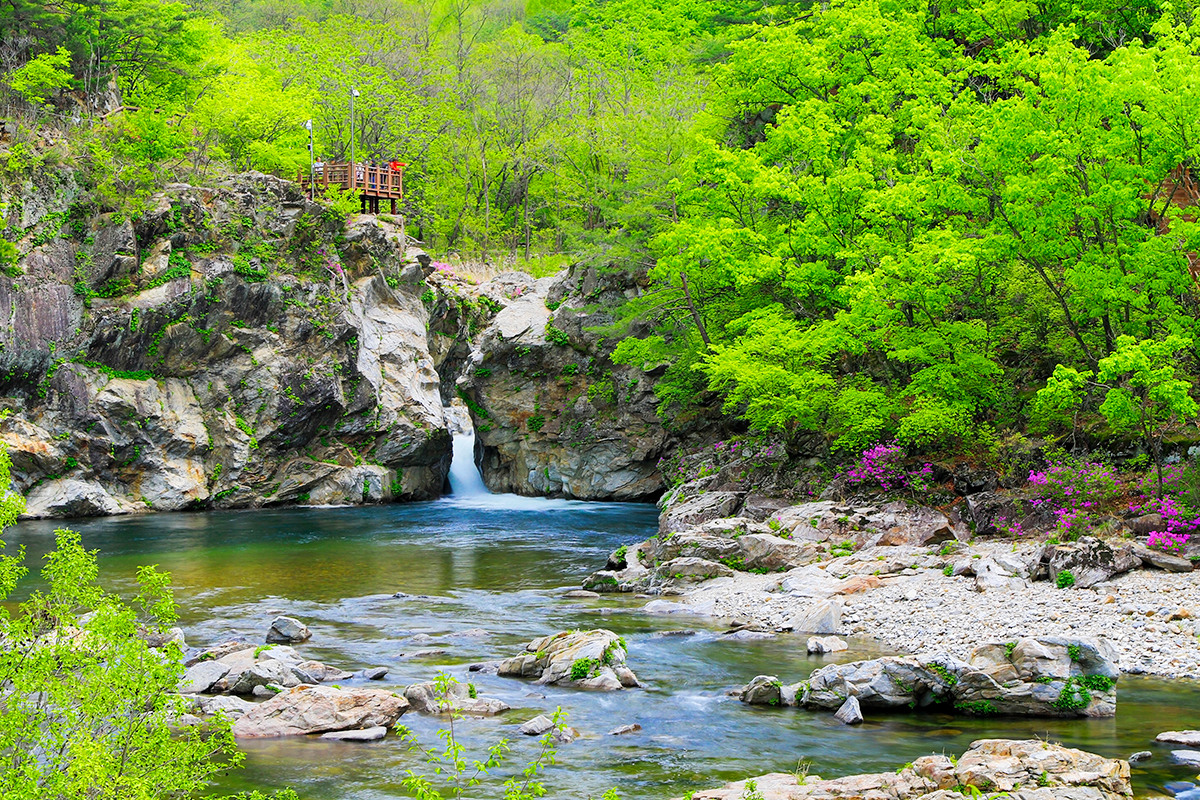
column 466, row 484
column 465, row 480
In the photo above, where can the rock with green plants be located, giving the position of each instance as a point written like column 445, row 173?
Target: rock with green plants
column 553, row 414
column 1027, row 769
column 1045, row 677
column 593, row 659
column 230, row 346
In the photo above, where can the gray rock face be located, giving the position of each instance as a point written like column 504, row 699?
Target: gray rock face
column 592, row 659
column 237, row 367
column 590, row 429
column 288, row 630
column 991, row 511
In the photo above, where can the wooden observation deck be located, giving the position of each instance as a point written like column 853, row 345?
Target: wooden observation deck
column 373, row 183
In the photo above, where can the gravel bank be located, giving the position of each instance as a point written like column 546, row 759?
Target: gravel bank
column 1152, row 617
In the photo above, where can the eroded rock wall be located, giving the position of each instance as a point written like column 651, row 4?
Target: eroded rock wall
column 553, row 415
column 233, row 347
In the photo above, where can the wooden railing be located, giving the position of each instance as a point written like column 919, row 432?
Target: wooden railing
column 367, row 179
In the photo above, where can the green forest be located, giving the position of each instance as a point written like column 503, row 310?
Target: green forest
column 856, row 220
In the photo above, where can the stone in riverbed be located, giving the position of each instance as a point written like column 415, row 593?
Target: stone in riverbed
column 288, row 630
column 424, row 697
column 1188, row 738
column 763, row 690
column 200, row 677
column 825, row 644
column 1157, row 558
column 375, row 673
column 1189, row 758
column 991, row 765
column 850, row 713
column 362, row 735
column 624, row 729
column 320, row 709
column 536, row 726
column 1141, row 755
column 1092, row 561
column 592, row 659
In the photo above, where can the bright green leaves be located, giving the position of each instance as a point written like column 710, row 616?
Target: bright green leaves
column 86, row 705
column 41, row 76
column 1146, row 395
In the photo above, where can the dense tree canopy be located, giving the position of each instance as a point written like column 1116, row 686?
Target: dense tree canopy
column 858, row 220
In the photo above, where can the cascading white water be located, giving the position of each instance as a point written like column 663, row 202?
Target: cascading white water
column 465, row 480
column 466, row 484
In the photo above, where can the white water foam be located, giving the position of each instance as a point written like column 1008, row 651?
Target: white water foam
column 466, row 483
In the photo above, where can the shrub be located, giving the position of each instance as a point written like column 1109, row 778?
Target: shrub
column 1073, row 490
column 1064, row 579
column 882, row 466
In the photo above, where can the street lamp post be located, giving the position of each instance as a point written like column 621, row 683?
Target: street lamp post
column 353, row 94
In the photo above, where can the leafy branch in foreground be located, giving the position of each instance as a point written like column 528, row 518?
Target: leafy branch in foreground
column 457, row 773
column 87, row 706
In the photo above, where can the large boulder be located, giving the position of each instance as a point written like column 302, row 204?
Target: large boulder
column 1092, row 560
column 696, row 510
column 200, row 677
column 1048, row 677
column 763, row 690
column 992, row 513
column 319, row 709
column 592, row 659
column 888, row 682
column 554, row 416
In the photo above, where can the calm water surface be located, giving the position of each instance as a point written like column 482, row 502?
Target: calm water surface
column 467, row 566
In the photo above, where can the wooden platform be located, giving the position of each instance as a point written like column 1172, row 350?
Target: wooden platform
column 371, row 182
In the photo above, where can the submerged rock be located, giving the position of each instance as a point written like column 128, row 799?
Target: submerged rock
column 536, row 726
column 1188, row 738
column 592, row 659
column 825, row 644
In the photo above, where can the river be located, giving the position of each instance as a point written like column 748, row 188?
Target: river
column 501, row 564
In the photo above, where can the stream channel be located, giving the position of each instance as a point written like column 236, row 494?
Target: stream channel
column 501, row 563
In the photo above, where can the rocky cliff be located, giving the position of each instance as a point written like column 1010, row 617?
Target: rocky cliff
column 236, row 346
column 553, row 414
